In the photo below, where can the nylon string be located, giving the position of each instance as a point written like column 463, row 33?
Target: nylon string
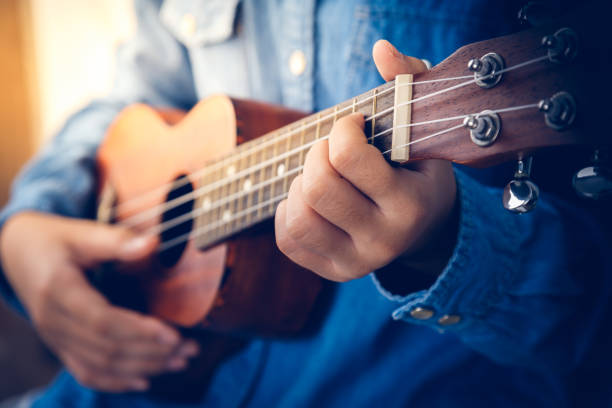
column 157, row 210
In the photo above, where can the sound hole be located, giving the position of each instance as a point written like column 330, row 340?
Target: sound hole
column 171, row 255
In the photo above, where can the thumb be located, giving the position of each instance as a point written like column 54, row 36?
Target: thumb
column 390, row 62
column 93, row 243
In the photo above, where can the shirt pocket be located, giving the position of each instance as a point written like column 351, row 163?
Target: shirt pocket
column 199, row 23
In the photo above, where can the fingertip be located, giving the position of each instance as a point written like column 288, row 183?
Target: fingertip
column 139, row 385
column 383, row 46
column 137, row 247
column 168, row 337
column 164, row 333
column 358, row 118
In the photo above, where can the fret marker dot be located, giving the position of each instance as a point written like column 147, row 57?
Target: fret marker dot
column 280, row 170
column 247, row 185
column 231, row 170
column 226, row 215
column 206, row 203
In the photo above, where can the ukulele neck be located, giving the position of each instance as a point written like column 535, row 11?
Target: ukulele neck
column 245, row 187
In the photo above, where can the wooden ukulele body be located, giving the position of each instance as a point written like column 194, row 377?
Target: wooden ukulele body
column 242, row 285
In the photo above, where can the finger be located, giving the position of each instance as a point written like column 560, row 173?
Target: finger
column 94, row 313
column 122, row 362
column 333, row 197
column 311, row 231
column 307, row 259
column 390, row 62
column 89, row 377
column 359, row 162
column 93, row 243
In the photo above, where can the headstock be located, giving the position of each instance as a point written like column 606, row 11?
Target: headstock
column 538, row 88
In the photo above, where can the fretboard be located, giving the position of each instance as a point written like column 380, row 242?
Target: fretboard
column 245, row 187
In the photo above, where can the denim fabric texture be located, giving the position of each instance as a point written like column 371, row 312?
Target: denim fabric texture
column 533, row 292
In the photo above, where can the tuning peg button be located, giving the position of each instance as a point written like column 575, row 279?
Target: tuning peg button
column 521, row 193
column 594, row 181
column 488, row 69
column 562, row 45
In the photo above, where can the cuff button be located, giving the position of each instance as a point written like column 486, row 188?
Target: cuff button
column 449, row 320
column 421, row 313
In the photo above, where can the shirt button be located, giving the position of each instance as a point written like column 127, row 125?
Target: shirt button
column 421, row 313
column 297, row 63
column 188, row 25
column 449, row 320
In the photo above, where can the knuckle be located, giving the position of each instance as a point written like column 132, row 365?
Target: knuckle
column 340, row 273
column 101, row 325
column 297, row 225
column 86, row 378
column 111, row 353
column 342, row 158
column 283, row 244
column 314, row 187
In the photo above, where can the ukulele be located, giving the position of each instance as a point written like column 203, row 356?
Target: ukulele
column 207, row 182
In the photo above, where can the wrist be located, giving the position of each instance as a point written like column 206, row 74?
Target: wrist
column 416, row 270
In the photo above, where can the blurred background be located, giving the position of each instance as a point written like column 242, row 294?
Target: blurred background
column 56, row 55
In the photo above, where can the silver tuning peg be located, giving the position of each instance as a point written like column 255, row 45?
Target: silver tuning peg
column 594, row 181
column 521, row 194
column 535, row 14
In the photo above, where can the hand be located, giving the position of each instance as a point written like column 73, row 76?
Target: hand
column 350, row 212
column 105, row 347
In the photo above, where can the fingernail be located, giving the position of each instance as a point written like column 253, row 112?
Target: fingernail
column 135, row 244
column 188, row 350
column 140, row 385
column 176, row 364
column 167, row 338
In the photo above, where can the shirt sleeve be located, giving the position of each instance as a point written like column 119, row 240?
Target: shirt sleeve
column 530, row 289
column 152, row 68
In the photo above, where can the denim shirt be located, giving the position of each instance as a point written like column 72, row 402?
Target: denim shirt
column 528, row 296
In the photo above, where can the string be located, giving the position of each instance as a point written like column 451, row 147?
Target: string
column 142, row 216
column 202, row 191
column 154, row 211
column 203, row 171
column 206, row 228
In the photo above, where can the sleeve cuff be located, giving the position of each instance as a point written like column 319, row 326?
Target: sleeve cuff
column 478, row 270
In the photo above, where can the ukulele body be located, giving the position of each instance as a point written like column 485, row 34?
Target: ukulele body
column 242, row 285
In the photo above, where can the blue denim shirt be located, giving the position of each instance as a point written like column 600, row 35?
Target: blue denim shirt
column 532, row 291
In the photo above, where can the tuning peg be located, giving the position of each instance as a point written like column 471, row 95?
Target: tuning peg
column 559, row 110
column 562, row 45
column 536, row 14
column 487, row 70
column 521, row 194
column 594, row 181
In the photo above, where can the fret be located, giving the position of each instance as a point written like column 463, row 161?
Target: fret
column 302, row 154
column 256, row 193
column 274, row 171
column 216, row 195
column 268, row 174
column 242, row 185
column 326, row 124
column 248, row 186
column 234, row 187
column 295, row 146
column 373, row 120
column 260, row 179
column 287, row 168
